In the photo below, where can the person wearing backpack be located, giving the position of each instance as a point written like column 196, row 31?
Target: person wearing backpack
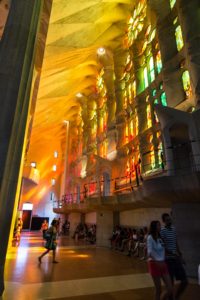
column 51, row 244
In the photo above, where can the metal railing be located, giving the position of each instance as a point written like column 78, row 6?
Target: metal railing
column 180, row 166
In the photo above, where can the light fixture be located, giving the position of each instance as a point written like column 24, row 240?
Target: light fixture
column 56, row 154
column 33, row 164
column 53, row 181
column 54, row 168
column 101, row 51
column 66, row 122
column 79, row 95
column 27, row 206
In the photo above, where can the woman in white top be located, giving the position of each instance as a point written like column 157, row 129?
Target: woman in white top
column 156, row 262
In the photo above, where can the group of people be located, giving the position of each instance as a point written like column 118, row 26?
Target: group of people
column 83, row 231
column 131, row 239
column 159, row 244
column 160, row 248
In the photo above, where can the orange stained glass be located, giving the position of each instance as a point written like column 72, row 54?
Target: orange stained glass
column 149, row 118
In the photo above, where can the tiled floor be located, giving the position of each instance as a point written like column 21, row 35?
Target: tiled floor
column 84, row 272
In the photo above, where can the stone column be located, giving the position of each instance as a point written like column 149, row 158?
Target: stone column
column 105, row 223
column 16, row 70
column 111, row 105
column 190, row 22
column 187, row 222
column 119, row 63
column 171, row 64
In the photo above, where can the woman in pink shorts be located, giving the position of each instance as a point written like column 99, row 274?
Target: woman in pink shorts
column 156, row 262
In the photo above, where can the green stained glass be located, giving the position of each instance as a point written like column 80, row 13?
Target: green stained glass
column 179, row 38
column 155, row 101
column 163, row 99
column 172, row 3
column 154, row 93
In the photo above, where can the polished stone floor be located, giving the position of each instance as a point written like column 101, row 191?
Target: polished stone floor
column 84, row 272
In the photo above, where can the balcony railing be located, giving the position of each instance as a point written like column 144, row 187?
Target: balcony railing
column 131, row 181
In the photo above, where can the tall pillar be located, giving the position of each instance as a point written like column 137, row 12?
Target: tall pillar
column 105, row 223
column 120, row 58
column 190, row 22
column 109, row 81
column 16, row 69
column 170, row 59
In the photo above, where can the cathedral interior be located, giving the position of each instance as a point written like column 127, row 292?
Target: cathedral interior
column 100, row 122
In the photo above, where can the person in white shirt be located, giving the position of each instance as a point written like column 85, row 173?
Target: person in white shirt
column 156, row 262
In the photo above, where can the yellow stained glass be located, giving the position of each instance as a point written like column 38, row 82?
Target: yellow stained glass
column 187, row 83
column 179, row 38
column 172, row 3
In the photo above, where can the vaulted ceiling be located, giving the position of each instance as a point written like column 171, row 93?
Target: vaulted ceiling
column 77, row 28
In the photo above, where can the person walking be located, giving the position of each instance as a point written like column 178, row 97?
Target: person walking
column 174, row 257
column 51, row 242
column 156, row 263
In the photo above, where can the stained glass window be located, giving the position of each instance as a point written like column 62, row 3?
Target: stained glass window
column 131, row 129
column 158, row 62
column 146, row 82
column 126, row 133
column 136, row 123
column 186, row 83
column 178, row 35
column 163, row 99
column 151, row 69
column 136, row 23
column 152, row 158
column 134, row 89
column 156, row 101
column 172, row 3
column 149, row 119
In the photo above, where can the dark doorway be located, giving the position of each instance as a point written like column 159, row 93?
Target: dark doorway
column 26, row 217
